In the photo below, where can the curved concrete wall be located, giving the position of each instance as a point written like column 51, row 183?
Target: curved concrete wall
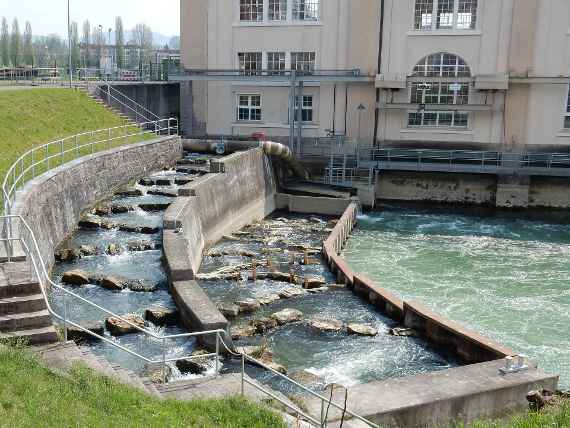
column 53, row 203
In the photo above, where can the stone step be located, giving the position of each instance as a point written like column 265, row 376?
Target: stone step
column 22, row 304
column 26, row 321
column 34, row 336
column 127, row 377
column 19, row 290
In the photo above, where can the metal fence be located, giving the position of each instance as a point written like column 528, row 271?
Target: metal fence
column 114, row 97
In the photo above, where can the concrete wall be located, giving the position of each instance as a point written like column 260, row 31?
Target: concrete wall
column 53, row 203
column 475, row 189
column 162, row 99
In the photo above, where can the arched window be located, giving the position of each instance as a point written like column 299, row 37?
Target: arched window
column 441, row 92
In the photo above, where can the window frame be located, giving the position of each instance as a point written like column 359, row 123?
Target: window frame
column 312, row 62
column 435, row 17
column 250, row 107
column 299, row 7
column 260, row 12
column 281, row 69
column 282, row 14
column 444, row 95
column 566, row 114
column 244, row 71
column 309, row 109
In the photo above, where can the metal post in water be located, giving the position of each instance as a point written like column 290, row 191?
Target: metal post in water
column 217, row 354
column 64, row 317
column 164, row 373
column 242, row 375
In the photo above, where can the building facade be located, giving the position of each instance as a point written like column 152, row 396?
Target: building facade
column 432, row 73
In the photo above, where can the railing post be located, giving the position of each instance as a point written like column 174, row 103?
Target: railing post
column 169, row 127
column 217, row 354
column 92, row 145
column 46, row 157
column 33, row 164
column 109, row 139
column 77, row 145
column 61, row 150
column 242, row 375
column 64, row 317
column 164, row 373
column 323, row 422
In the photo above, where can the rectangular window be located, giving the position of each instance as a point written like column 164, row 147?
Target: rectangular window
column 306, row 10
column 567, row 113
column 306, row 108
column 251, row 10
column 438, row 119
column 277, row 10
column 442, row 94
column 445, row 14
column 275, row 63
column 303, row 62
column 250, row 63
column 249, row 108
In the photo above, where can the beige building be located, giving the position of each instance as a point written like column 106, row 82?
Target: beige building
column 422, row 73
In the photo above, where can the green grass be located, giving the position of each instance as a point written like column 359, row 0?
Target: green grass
column 553, row 416
column 33, row 396
column 32, row 117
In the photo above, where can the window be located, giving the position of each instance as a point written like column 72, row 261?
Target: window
column 277, row 10
column 440, row 92
column 249, row 108
column 275, row 63
column 445, row 14
column 306, row 108
column 251, row 10
column 250, row 63
column 306, row 10
column 303, row 62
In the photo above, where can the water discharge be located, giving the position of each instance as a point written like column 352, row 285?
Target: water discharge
column 506, row 278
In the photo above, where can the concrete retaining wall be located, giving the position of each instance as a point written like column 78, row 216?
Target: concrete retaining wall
column 53, row 203
column 468, row 346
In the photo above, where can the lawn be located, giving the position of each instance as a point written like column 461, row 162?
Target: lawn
column 33, row 396
column 32, row 117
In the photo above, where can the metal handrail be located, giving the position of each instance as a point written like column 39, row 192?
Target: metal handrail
column 43, row 155
column 32, row 250
column 149, row 117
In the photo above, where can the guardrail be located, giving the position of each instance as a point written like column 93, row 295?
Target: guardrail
column 42, row 158
column 106, row 91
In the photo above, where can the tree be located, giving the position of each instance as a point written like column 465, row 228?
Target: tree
column 4, row 44
column 28, row 45
column 120, row 42
column 86, row 40
column 174, row 42
column 15, row 43
column 75, row 51
column 98, row 40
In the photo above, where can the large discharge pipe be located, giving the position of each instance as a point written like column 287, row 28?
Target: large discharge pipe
column 270, row 148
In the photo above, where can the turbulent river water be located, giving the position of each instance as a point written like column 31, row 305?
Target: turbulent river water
column 506, row 278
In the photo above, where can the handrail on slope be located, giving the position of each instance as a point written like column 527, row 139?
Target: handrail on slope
column 111, row 93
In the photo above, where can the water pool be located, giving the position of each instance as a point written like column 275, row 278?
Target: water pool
column 506, row 278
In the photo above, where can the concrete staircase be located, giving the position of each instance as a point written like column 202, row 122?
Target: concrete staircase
column 23, row 309
column 117, row 112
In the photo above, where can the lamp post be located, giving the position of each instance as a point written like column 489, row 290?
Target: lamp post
column 69, row 44
column 360, row 109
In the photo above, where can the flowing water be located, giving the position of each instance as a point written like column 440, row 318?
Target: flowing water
column 506, row 278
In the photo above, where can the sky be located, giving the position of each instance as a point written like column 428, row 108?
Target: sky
column 50, row 16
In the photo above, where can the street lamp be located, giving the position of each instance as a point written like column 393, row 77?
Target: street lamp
column 360, row 109
column 69, row 44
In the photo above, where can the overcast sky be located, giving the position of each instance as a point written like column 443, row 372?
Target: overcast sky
column 50, row 16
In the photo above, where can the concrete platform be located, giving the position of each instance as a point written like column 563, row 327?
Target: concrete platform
column 18, row 254
column 461, row 394
column 314, row 189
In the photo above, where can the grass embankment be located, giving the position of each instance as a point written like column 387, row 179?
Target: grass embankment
column 33, row 396
column 32, row 117
column 553, row 416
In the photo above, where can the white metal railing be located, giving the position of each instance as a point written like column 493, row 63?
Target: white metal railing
column 42, row 158
column 105, row 91
column 25, row 236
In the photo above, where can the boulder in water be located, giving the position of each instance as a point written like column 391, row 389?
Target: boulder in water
column 75, row 277
column 120, row 209
column 403, row 332
column 89, row 223
column 129, row 193
column 140, row 286
column 113, row 283
column 87, row 250
column 287, row 316
column 291, row 292
column 103, row 210
column 326, row 325
column 118, row 327
column 307, row 378
column 141, row 246
column 146, row 182
column 248, row 306
column 313, row 282
column 153, row 207
column 268, row 299
column 263, row 325
column 229, row 310
column 361, row 329
column 79, row 335
column 67, row 255
column 113, row 249
column 161, row 316
column 242, row 332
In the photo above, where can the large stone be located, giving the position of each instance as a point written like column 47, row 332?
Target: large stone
column 89, row 223
column 313, row 282
column 307, row 378
column 193, row 366
column 140, row 286
column 268, row 299
column 75, row 277
column 142, row 245
column 103, row 211
column 118, row 327
column 263, row 325
column 67, row 255
column 163, row 182
column 153, row 207
column 229, row 310
column 113, row 283
column 287, row 316
column 289, row 293
column 327, row 325
column 247, row 306
column 120, row 209
column 361, row 329
column 127, row 193
column 162, row 316
column 146, row 182
column 403, row 332
column 242, row 332
column 168, row 194
column 87, row 250
column 79, row 335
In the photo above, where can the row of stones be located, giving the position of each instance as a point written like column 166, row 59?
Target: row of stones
column 72, row 254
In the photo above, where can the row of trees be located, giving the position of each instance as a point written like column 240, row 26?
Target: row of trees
column 89, row 50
